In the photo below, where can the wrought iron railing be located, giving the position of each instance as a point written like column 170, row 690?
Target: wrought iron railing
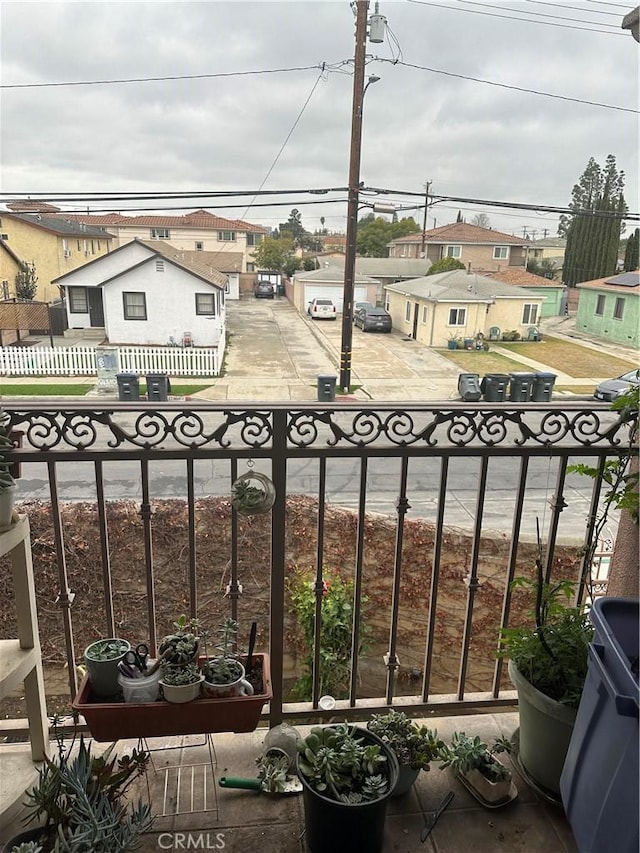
column 418, row 477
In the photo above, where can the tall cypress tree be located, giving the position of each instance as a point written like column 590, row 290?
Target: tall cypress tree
column 593, row 232
column 632, row 252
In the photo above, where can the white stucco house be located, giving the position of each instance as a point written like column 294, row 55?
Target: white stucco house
column 145, row 294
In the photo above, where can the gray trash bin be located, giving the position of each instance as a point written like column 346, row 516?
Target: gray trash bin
column 326, row 388
column 521, row 387
column 494, row 387
column 128, row 386
column 158, row 387
column 469, row 386
column 543, row 387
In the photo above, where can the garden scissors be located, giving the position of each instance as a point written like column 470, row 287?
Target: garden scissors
column 137, row 657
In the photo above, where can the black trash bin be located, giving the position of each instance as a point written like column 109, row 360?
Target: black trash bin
column 158, row 387
column 494, row 387
column 128, row 387
column 469, row 386
column 543, row 387
column 521, row 387
column 326, row 388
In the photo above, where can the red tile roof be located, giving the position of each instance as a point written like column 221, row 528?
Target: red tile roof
column 461, row 232
column 519, row 276
column 197, row 219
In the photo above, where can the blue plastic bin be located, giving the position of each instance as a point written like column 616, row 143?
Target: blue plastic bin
column 599, row 782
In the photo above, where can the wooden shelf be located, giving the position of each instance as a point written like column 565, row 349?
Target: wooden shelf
column 15, row 664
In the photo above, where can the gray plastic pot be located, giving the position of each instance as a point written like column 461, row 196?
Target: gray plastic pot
column 103, row 674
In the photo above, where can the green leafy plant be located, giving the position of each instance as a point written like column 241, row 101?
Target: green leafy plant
column 252, row 493
column 180, row 675
column 27, row 847
column 466, row 753
column 336, row 633
column 414, row 745
column 272, row 771
column 342, row 766
column 181, row 647
column 246, row 496
column 107, row 649
column 81, row 799
column 224, row 668
column 6, row 478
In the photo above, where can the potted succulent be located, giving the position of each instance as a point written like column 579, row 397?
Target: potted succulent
column 223, row 674
column 181, row 684
column 415, row 746
column 475, row 764
column 101, row 660
column 347, row 776
column 252, row 494
column 7, row 483
column 180, row 647
column 81, row 801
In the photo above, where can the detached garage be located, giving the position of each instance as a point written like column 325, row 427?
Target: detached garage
column 328, row 283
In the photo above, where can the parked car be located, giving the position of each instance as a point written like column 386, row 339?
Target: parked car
column 264, row 290
column 373, row 320
column 612, row 388
column 357, row 306
column 322, row 309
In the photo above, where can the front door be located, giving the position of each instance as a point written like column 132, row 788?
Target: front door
column 416, row 312
column 96, row 310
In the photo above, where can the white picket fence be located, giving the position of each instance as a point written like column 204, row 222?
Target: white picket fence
column 81, row 361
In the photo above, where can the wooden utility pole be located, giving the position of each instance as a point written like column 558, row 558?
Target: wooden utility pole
column 362, row 9
column 423, row 250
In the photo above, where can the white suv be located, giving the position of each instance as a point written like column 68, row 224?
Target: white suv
column 322, row 308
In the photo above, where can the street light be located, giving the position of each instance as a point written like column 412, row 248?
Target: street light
column 359, row 89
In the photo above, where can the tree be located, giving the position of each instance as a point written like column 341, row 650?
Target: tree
column 274, row 253
column 445, row 265
column 375, row 233
column 26, row 281
column 481, row 220
column 459, row 217
column 323, row 230
column 593, row 231
column 632, row 252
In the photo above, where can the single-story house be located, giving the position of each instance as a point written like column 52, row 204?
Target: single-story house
column 328, row 283
column 143, row 294
column 555, row 292
column 228, row 263
column 609, row 308
column 437, row 308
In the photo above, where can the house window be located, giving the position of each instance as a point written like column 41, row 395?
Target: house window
column 135, row 306
column 159, row 233
column 424, row 313
column 254, row 239
column 65, row 245
column 457, row 316
column 600, row 305
column 206, row 304
column 407, row 312
column 78, row 300
column 452, row 251
column 159, row 266
column 78, row 244
column 93, row 249
column 529, row 314
column 199, row 245
column 5, row 289
column 226, row 236
column 251, row 267
column 500, row 253
column 618, row 310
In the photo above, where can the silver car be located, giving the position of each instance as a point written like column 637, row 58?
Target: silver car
column 612, row 388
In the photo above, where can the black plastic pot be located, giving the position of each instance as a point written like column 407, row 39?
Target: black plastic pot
column 332, row 827
column 22, row 838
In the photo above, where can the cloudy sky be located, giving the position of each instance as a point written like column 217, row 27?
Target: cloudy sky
column 254, row 109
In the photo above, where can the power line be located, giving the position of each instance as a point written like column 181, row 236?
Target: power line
column 616, row 5
column 540, row 15
column 176, row 194
column 575, row 8
column 508, row 86
column 511, row 18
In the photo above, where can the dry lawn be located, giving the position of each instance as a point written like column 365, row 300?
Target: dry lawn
column 574, row 359
column 482, row 362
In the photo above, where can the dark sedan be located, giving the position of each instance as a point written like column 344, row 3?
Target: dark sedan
column 612, row 388
column 264, row 290
column 373, row 319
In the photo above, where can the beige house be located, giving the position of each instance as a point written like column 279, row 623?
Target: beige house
column 437, row 308
column 199, row 231
column 477, row 248
column 53, row 244
column 328, row 283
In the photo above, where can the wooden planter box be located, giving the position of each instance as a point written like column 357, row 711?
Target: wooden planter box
column 110, row 721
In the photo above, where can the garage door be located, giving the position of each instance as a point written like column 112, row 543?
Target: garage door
column 318, row 291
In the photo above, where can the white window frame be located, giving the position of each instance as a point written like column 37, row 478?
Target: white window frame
column 501, row 253
column 199, row 246
column 160, row 234
column 205, row 297
column 618, row 308
column 425, row 313
column 530, row 313
column 226, row 236
column 74, row 301
column 453, row 251
column 457, row 317
column 128, row 306
column 601, row 301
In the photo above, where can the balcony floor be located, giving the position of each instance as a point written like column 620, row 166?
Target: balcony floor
column 246, row 821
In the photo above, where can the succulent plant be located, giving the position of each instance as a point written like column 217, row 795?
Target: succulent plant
column 414, row 745
column 179, row 675
column 467, row 753
column 181, row 647
column 224, row 668
column 6, row 479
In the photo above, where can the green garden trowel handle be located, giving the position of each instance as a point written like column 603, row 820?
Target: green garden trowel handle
column 240, row 782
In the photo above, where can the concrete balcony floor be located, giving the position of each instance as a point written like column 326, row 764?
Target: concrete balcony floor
column 237, row 820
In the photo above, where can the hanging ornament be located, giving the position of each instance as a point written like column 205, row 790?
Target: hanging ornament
column 252, row 493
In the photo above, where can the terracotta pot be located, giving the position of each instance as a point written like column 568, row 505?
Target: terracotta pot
column 109, row 721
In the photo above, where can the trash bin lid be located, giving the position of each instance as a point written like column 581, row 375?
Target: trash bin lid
column 544, row 375
column 497, row 376
column 128, row 376
column 521, row 374
column 469, row 376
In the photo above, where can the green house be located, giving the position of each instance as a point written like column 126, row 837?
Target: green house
column 609, row 308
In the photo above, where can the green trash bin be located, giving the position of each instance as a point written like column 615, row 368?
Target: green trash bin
column 326, row 388
column 494, row 387
column 543, row 387
column 128, row 387
column 521, row 387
